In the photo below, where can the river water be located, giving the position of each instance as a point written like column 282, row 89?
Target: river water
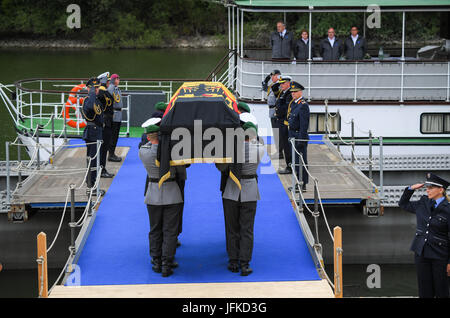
column 397, row 280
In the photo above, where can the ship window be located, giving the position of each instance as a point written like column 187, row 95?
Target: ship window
column 317, row 123
column 435, row 123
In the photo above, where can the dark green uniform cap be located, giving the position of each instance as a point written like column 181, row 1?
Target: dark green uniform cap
column 152, row 125
column 243, row 107
column 161, row 106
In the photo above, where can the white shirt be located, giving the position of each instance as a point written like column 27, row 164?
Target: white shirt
column 282, row 34
column 332, row 41
column 298, row 99
column 306, row 41
column 354, row 39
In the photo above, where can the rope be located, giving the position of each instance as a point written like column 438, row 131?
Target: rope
column 60, row 222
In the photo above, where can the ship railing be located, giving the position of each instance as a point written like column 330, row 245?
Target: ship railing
column 225, row 70
column 39, row 101
column 397, row 80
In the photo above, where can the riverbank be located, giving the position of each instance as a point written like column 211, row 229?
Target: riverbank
column 196, row 42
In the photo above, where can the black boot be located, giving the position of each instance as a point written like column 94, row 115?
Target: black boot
column 157, row 265
column 245, row 269
column 167, row 268
column 286, row 170
column 233, row 266
column 106, row 174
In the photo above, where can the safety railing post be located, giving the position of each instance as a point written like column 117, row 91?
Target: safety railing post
column 99, row 144
column 19, row 161
column 65, row 124
column 294, row 185
column 326, row 118
column 42, row 265
column 338, row 283
column 353, row 140
column 53, row 136
column 72, row 223
column 381, row 167
column 38, row 161
column 356, row 83
column 316, row 213
column 8, row 177
column 370, row 155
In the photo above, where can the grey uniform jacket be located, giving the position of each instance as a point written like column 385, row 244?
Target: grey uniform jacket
column 282, row 47
column 117, row 106
column 169, row 193
column 249, row 187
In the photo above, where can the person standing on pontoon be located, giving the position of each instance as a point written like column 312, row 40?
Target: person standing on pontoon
column 115, row 91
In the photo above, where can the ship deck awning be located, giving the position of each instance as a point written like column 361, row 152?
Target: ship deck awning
column 343, row 6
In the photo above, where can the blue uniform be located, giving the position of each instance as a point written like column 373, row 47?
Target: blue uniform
column 298, row 120
column 93, row 114
column 431, row 243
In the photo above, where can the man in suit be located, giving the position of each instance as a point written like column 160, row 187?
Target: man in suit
column 301, row 49
column 431, row 244
column 355, row 46
column 298, row 120
column 239, row 204
column 93, row 114
column 282, row 42
column 164, row 205
column 331, row 48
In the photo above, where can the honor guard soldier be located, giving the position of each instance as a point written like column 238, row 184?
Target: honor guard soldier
column 273, row 92
column 243, row 107
column 239, row 204
column 163, row 204
column 281, row 108
column 431, row 244
column 116, row 93
column 298, row 124
column 92, row 113
column 107, row 100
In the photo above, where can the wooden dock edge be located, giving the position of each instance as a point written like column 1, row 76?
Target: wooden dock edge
column 285, row 289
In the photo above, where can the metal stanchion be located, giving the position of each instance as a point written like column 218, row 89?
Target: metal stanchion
column 38, row 149
column 19, row 160
column 99, row 144
column 353, row 141
column 370, row 156
column 8, row 177
column 53, row 137
column 381, row 168
column 326, row 118
column 316, row 213
column 72, row 223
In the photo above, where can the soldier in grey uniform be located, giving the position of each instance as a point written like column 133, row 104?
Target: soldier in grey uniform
column 164, row 204
column 273, row 92
column 239, row 205
column 115, row 91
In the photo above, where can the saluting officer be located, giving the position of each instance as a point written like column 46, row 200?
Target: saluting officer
column 298, row 123
column 273, row 92
column 431, row 244
column 106, row 99
column 116, row 93
column 281, row 109
column 163, row 204
column 239, row 205
column 92, row 113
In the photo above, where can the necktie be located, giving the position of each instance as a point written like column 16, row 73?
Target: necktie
column 433, row 203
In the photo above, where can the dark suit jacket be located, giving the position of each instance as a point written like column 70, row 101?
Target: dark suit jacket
column 357, row 51
column 331, row 53
column 433, row 226
column 301, row 50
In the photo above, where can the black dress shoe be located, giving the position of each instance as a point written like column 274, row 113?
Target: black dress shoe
column 246, row 270
column 280, row 156
column 286, row 170
column 304, row 188
column 174, row 264
column 106, row 174
column 166, row 269
column 114, row 158
column 233, row 267
column 94, row 192
column 157, row 266
column 296, row 189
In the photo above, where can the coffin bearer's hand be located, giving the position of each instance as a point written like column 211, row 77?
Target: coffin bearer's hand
column 417, row 186
column 448, row 269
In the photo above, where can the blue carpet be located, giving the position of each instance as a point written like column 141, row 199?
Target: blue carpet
column 116, row 251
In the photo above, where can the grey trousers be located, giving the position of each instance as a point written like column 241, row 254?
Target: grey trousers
column 164, row 223
column 239, row 223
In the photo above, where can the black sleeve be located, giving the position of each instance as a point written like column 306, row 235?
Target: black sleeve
column 405, row 202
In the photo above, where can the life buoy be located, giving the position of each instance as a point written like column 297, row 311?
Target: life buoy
column 71, row 104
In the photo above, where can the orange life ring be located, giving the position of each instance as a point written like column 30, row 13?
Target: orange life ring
column 71, row 104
